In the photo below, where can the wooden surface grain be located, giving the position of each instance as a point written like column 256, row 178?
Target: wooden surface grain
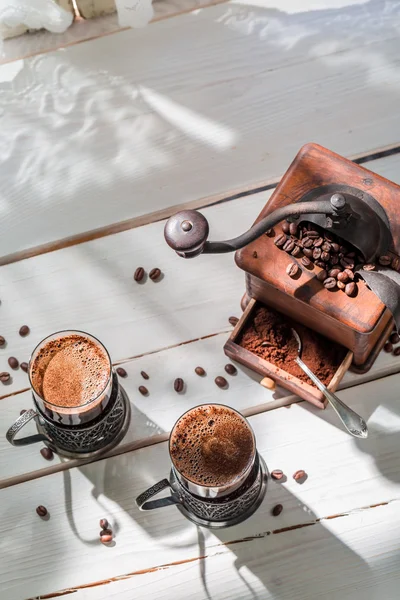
column 85, row 128
column 344, row 476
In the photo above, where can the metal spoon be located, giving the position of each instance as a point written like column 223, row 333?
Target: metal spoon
column 351, row 420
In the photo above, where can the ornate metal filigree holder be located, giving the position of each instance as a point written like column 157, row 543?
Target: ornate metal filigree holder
column 208, row 512
column 80, row 441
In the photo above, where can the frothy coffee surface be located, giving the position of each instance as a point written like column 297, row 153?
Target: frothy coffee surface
column 211, row 445
column 70, row 371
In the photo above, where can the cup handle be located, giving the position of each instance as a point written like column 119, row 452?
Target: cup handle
column 142, row 500
column 18, row 425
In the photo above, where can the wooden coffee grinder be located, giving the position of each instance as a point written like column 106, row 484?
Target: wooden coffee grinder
column 342, row 197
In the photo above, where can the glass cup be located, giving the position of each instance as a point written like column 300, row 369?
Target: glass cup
column 67, row 427
column 217, row 503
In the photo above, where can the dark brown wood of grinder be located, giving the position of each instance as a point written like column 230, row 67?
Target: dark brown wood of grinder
column 357, row 323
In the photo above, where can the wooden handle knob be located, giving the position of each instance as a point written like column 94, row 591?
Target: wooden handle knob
column 186, row 233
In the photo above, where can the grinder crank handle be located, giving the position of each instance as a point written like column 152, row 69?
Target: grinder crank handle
column 187, row 231
column 350, row 419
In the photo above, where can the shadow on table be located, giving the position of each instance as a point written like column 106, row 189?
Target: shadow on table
column 290, row 556
column 378, row 403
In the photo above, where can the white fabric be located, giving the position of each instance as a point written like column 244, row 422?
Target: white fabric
column 46, row 14
column 134, row 13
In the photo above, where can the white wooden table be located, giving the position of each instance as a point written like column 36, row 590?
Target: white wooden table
column 101, row 141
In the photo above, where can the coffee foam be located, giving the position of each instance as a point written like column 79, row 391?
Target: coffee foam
column 70, row 371
column 212, row 445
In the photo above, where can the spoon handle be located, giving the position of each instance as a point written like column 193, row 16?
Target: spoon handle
column 350, row 419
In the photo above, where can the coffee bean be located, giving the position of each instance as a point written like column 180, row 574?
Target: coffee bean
column 330, row 283
column 2, row 340
column 233, row 321
column 300, row 474
column 308, row 252
column 293, row 229
column 4, row 377
column 22, row 412
column 24, row 366
column 306, row 262
column 384, row 260
column 121, row 372
column 270, row 232
column 288, row 245
column 255, row 255
column 104, row 523
column 343, row 277
column 388, row 347
column 395, row 338
column 317, row 253
column 41, row 511
column 313, row 234
column 200, row 371
column 334, row 273
column 285, row 227
column 343, row 249
column 230, row 369
column 318, row 242
column 179, row 385
column 300, row 234
column 47, row 453
column 322, row 275
column 292, row 269
column 396, row 351
column 326, row 247
column 334, row 259
column 139, row 274
column 280, row 240
column 221, row 381
column 24, row 330
column 276, row 511
column 155, row 274
column 335, row 247
column 325, row 256
column 347, row 263
column 307, row 242
column 143, row 390
column 321, row 264
column 341, row 285
column 329, row 236
column 106, row 539
column 349, row 274
column 351, row 254
column 277, row 474
column 105, row 531
column 350, row 289
column 296, row 251
column 13, row 362
column 395, row 263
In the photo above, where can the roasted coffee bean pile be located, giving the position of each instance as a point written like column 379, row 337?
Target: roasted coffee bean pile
column 338, row 260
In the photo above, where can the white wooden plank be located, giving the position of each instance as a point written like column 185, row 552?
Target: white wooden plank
column 155, row 414
column 343, row 475
column 350, row 558
column 220, row 99
column 81, row 30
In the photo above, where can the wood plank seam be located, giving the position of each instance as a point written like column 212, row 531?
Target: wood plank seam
column 165, row 213
column 203, row 557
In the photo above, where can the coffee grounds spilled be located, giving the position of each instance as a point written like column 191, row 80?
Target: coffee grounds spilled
column 268, row 335
column 70, row 371
column 212, row 445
